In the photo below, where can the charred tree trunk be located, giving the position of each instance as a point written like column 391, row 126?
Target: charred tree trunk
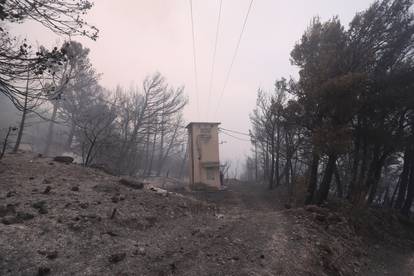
column 313, row 177
column 340, row 190
column 162, row 134
column 277, row 173
column 288, row 165
column 327, row 178
column 374, row 185
column 49, row 138
column 88, row 158
column 154, row 143
column 356, row 195
column 394, row 194
column 272, row 165
column 70, row 137
column 404, row 177
column 410, row 191
column 266, row 163
column 373, row 180
column 147, row 146
column 183, row 163
column 3, row 150
column 355, row 165
column 169, row 148
column 23, row 119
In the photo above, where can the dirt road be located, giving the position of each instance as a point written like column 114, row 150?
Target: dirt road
column 380, row 258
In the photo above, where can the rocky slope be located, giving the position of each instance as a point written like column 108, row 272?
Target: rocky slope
column 63, row 219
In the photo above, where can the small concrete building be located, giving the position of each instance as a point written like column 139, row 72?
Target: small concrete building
column 203, row 149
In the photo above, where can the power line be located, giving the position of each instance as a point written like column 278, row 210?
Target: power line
column 194, row 57
column 234, row 131
column 234, row 56
column 214, row 59
column 235, row 137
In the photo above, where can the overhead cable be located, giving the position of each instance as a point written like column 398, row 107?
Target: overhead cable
column 214, row 59
column 194, row 57
column 235, row 137
column 234, row 131
column 234, row 56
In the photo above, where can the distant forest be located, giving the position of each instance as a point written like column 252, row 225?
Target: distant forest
column 345, row 128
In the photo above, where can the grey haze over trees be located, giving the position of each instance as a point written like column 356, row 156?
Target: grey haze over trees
column 349, row 118
column 128, row 131
column 152, row 126
column 136, row 131
column 75, row 74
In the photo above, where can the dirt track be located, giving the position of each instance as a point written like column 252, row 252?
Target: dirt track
column 241, row 231
column 384, row 257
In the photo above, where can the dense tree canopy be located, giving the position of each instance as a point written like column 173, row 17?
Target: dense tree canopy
column 351, row 110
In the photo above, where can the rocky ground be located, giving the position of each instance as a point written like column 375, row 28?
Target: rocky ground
column 63, row 219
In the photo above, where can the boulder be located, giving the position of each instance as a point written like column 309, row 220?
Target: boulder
column 40, row 206
column 7, row 209
column 50, row 254
column 63, row 159
column 11, row 193
column 116, row 258
column 131, row 183
column 17, row 218
column 24, row 216
column 43, row 271
column 8, row 220
column 47, row 190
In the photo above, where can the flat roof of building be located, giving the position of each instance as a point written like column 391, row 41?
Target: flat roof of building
column 202, row 123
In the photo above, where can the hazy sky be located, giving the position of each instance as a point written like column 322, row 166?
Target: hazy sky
column 140, row 37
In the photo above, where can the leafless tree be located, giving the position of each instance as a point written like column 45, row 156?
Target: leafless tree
column 6, row 140
column 150, row 120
